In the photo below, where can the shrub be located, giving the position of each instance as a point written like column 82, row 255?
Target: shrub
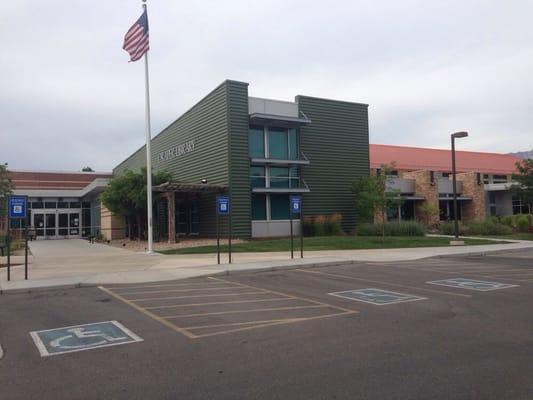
column 369, row 230
column 407, row 228
column 308, row 226
column 488, row 228
column 319, row 225
column 507, row 220
column 448, row 228
column 334, row 224
column 522, row 222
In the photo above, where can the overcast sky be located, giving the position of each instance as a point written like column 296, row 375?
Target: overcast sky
column 69, row 98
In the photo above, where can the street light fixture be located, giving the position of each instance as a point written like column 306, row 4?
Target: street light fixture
column 456, row 135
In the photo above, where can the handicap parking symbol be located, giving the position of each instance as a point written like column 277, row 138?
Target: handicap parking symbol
column 82, row 337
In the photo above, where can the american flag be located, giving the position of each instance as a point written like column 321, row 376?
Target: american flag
column 136, row 39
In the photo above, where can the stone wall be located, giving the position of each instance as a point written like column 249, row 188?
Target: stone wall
column 472, row 209
column 428, row 190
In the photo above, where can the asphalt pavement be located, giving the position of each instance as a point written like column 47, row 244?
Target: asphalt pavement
column 457, row 327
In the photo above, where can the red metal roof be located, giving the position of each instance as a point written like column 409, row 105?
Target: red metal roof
column 418, row 158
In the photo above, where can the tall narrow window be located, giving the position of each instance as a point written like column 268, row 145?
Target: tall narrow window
column 293, row 144
column 279, row 206
column 256, row 142
column 294, row 178
column 278, row 144
column 259, row 207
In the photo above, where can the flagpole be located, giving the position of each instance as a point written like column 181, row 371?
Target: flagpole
column 148, row 152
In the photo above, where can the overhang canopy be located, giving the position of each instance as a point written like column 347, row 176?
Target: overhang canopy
column 278, row 120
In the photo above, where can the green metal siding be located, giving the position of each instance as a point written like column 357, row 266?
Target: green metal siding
column 239, row 160
column 336, row 143
column 207, row 123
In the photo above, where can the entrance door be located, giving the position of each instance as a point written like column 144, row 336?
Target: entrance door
column 50, row 225
column 44, row 224
column 187, row 217
column 38, row 223
column 74, row 224
column 63, row 224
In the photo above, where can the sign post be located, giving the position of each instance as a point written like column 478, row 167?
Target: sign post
column 17, row 208
column 223, row 209
column 296, row 207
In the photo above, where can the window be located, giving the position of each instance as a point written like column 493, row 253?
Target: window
column 279, row 178
column 86, row 204
column 278, row 145
column 62, row 204
column 74, row 204
column 37, row 204
column 279, row 206
column 293, row 144
column 257, row 177
column 50, row 204
column 294, row 177
column 259, row 208
column 486, row 179
column 256, row 142
column 499, row 178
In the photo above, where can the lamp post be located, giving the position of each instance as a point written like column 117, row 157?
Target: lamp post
column 456, row 135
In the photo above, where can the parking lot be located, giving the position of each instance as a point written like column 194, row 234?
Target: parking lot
column 455, row 327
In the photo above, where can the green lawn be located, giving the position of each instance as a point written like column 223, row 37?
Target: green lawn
column 330, row 243
column 515, row 236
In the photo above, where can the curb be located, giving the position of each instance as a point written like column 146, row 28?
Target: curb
column 226, row 272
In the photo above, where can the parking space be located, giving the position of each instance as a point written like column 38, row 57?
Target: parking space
column 214, row 306
column 369, row 330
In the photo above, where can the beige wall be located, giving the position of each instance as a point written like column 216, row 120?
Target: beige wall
column 112, row 226
column 428, row 190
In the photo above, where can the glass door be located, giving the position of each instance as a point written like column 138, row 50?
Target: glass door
column 38, row 224
column 74, row 224
column 50, row 225
column 63, row 224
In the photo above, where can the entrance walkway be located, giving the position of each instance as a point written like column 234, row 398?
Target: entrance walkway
column 72, row 247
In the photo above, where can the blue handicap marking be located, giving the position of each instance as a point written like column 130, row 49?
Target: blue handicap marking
column 82, row 337
column 472, row 284
column 377, row 296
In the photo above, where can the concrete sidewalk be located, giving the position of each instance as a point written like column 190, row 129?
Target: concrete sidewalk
column 78, row 263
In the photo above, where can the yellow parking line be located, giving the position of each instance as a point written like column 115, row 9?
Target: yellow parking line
column 197, row 295
column 148, row 313
column 243, row 311
column 280, row 322
column 165, row 285
column 218, row 302
column 282, row 294
column 286, row 320
column 183, row 290
column 381, row 282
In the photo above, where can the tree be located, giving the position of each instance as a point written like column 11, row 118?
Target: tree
column 126, row 195
column 87, row 169
column 523, row 188
column 428, row 211
column 374, row 196
column 6, row 188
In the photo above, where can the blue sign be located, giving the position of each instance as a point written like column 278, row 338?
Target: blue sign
column 222, row 205
column 17, row 206
column 296, row 204
column 82, row 337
